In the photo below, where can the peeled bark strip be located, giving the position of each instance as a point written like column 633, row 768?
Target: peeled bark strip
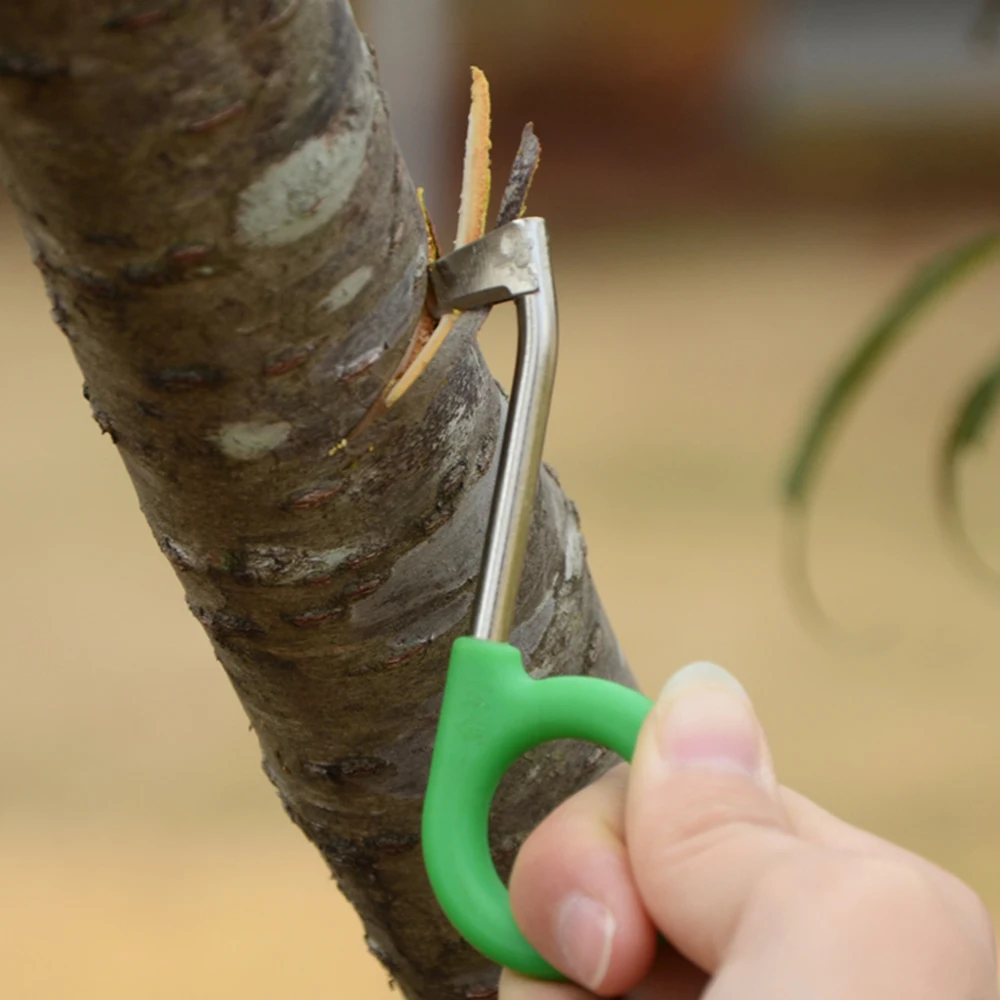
column 236, row 255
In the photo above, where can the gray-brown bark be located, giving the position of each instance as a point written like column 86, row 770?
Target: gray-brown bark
column 236, row 256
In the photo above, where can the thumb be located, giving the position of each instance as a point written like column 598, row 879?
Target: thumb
column 705, row 823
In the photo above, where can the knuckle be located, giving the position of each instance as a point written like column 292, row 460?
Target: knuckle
column 874, row 887
column 918, row 905
column 843, row 890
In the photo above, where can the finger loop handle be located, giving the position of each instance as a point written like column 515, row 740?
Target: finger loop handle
column 492, row 714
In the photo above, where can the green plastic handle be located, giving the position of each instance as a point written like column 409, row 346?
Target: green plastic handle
column 492, row 713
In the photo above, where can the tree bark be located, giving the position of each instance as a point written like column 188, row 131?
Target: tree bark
column 234, row 250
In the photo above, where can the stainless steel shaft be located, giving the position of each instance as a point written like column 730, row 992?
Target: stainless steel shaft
column 510, row 263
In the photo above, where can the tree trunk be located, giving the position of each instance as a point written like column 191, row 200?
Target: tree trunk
column 233, row 248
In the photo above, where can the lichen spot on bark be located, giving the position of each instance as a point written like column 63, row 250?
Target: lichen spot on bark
column 247, row 441
column 575, row 549
column 346, row 290
column 304, row 191
column 276, row 565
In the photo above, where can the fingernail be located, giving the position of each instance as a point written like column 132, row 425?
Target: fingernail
column 585, row 934
column 707, row 723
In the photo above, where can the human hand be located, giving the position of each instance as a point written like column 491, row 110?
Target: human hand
column 761, row 894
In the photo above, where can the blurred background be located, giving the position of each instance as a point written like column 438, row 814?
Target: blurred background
column 734, row 188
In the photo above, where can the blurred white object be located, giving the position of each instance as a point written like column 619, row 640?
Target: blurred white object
column 902, row 62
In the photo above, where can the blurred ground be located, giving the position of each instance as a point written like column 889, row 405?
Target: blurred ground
column 142, row 852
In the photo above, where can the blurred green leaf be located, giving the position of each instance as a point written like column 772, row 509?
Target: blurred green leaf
column 940, row 275
column 969, row 428
column 888, row 333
